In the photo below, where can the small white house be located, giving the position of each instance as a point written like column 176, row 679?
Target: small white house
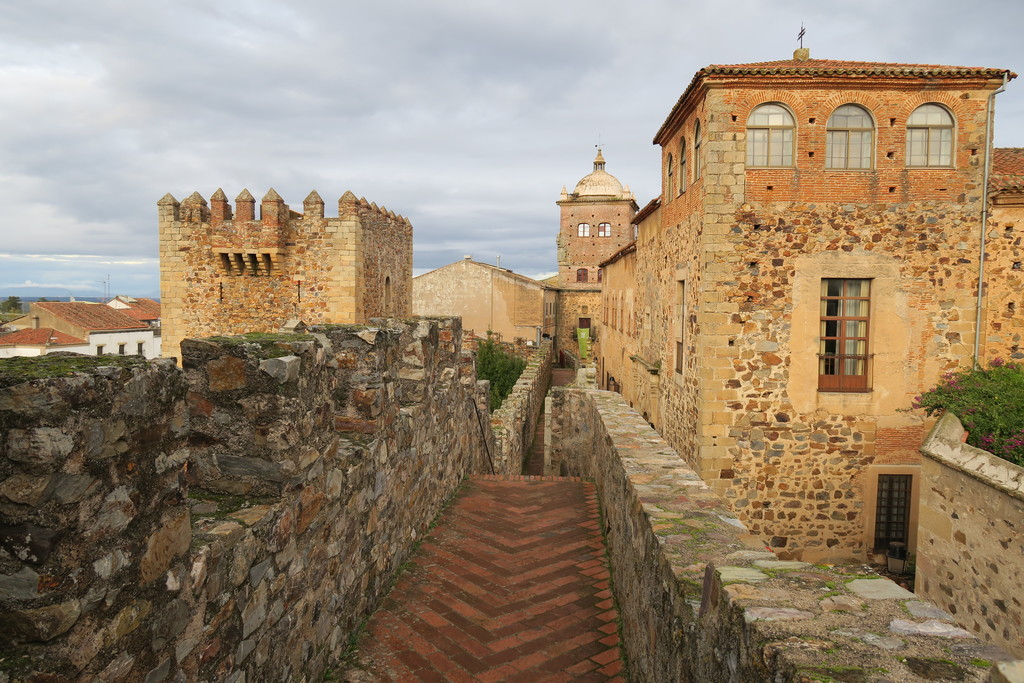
column 82, row 327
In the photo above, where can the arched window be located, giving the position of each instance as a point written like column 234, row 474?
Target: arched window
column 600, row 274
column 697, row 162
column 581, row 275
column 770, row 137
column 387, row 297
column 670, row 170
column 583, row 230
column 850, row 141
column 930, row 136
column 682, row 166
column 604, row 229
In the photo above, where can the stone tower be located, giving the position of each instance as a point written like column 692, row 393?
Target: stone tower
column 230, row 272
column 596, row 222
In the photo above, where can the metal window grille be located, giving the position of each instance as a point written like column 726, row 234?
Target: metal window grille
column 892, row 509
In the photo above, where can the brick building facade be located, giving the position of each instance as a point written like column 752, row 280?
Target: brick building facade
column 595, row 222
column 812, row 265
column 230, row 272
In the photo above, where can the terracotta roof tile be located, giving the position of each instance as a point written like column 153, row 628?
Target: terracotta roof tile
column 140, row 309
column 1007, row 169
column 836, row 67
column 91, row 316
column 624, row 251
column 38, row 337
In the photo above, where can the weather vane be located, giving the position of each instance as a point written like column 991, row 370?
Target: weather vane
column 599, row 145
column 800, row 36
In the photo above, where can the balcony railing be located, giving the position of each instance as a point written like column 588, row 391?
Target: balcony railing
column 844, row 372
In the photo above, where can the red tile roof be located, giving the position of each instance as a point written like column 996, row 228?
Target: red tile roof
column 140, row 309
column 834, row 68
column 44, row 336
column 1007, row 169
column 91, row 316
column 838, row 67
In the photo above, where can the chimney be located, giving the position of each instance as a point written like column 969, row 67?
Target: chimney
column 801, row 54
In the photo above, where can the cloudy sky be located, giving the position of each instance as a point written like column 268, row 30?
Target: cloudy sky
column 467, row 116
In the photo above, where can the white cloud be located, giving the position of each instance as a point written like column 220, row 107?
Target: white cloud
column 466, row 116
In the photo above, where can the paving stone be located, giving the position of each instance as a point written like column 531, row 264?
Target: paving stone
column 752, row 614
column 842, row 603
column 884, row 642
column 730, row 574
column 878, row 589
column 924, row 610
column 931, row 627
column 780, row 564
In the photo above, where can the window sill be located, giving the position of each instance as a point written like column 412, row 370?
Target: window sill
column 844, row 391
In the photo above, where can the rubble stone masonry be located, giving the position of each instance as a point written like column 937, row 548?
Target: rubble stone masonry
column 971, row 543
column 232, row 272
column 701, row 600
column 732, row 274
column 235, row 520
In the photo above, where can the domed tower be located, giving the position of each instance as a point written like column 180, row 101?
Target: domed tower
column 596, row 222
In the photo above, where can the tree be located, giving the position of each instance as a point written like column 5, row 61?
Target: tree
column 499, row 366
column 12, row 305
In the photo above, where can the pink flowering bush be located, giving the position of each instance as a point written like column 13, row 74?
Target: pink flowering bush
column 989, row 403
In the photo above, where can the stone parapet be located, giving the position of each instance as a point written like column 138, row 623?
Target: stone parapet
column 234, row 520
column 515, row 422
column 700, row 600
column 970, row 544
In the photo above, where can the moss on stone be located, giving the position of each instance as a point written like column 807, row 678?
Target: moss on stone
column 226, row 503
column 840, row 674
column 263, row 344
column 25, row 369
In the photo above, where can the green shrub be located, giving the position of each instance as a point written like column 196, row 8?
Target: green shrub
column 499, row 366
column 989, row 403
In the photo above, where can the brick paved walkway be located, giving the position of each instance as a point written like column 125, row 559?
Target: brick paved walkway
column 512, row 585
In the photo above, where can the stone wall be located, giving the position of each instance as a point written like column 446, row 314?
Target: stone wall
column 235, row 520
column 1004, row 267
column 970, row 544
column 231, row 271
column 515, row 422
column 701, row 600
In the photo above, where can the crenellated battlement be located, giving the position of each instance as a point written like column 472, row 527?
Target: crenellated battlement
column 252, row 266
column 273, row 210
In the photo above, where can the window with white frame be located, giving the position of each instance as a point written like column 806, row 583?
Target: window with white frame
column 850, row 138
column 770, row 136
column 930, row 136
